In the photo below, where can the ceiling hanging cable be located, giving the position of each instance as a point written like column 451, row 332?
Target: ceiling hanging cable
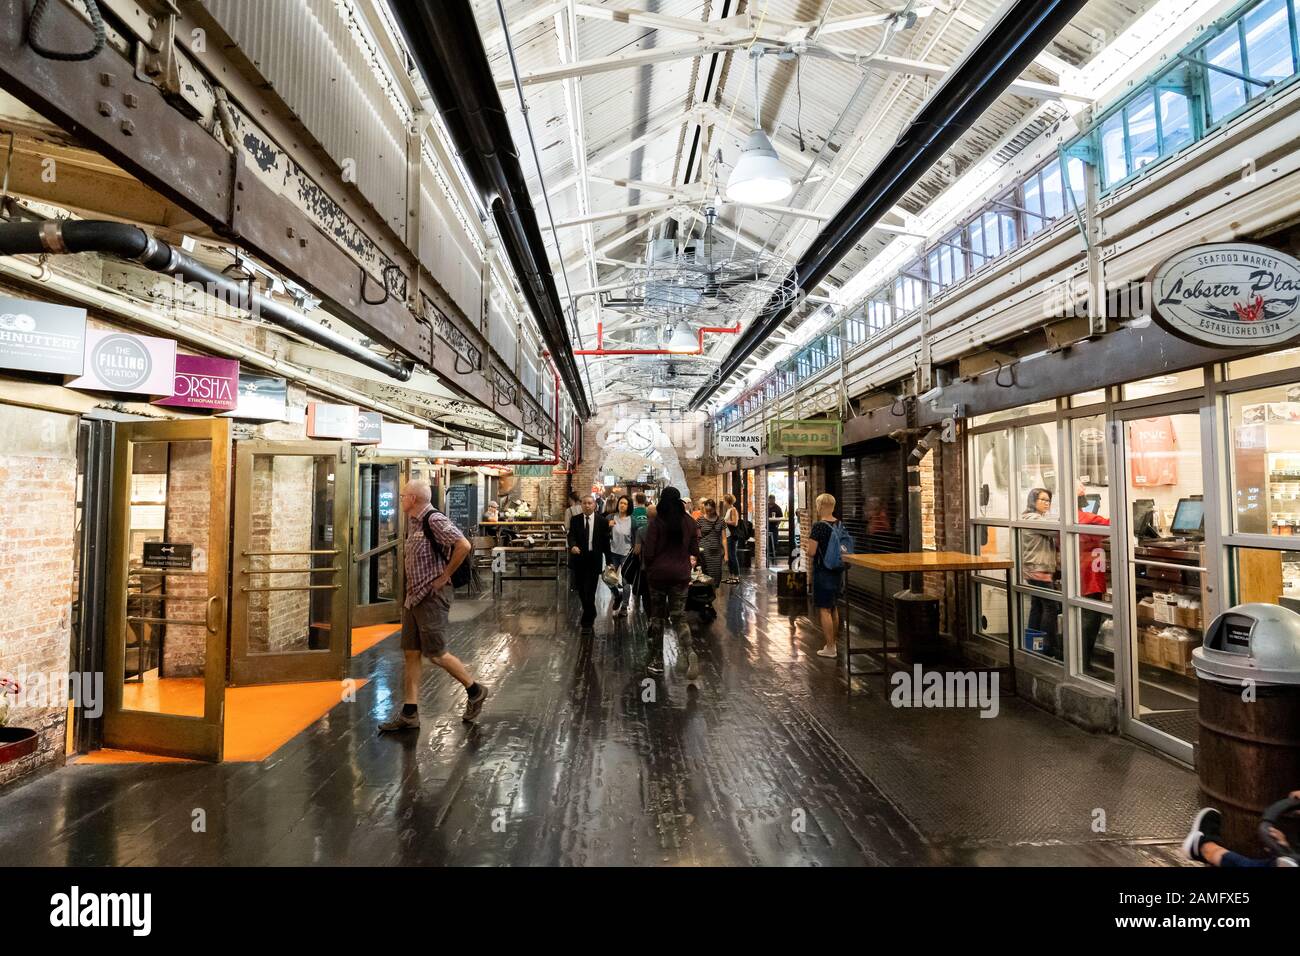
column 541, row 181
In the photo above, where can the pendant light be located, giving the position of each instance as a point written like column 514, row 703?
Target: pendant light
column 759, row 177
column 682, row 341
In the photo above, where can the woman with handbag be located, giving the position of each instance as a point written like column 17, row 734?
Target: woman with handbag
column 620, row 546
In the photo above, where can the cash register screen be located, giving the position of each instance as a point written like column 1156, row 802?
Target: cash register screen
column 1189, row 517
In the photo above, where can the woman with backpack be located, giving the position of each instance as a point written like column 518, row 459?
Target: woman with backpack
column 827, row 582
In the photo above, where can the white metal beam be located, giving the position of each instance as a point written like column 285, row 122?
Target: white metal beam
column 618, row 213
column 624, row 61
column 714, row 29
column 496, row 37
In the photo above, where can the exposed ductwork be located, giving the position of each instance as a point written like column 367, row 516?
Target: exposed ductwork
column 1002, row 53
column 54, row 237
column 443, row 38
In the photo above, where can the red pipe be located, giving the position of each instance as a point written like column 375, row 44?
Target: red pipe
column 699, row 350
column 529, row 461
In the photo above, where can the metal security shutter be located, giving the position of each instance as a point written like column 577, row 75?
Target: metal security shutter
column 873, row 507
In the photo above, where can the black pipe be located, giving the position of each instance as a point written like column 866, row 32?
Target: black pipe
column 443, row 38
column 57, row 236
column 1002, row 53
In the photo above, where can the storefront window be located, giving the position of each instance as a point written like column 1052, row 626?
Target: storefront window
column 1010, row 414
column 1095, row 397
column 1093, row 568
column 1285, row 360
column 1036, row 471
column 993, row 542
column 1266, row 576
column 1040, row 558
column 1164, row 384
column 992, row 476
column 1097, row 641
column 1265, row 440
column 1040, row 631
column 991, row 613
column 1091, row 475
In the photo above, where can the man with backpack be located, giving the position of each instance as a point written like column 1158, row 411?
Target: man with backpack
column 829, row 541
column 436, row 556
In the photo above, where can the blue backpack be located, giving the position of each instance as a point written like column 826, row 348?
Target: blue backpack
column 841, row 543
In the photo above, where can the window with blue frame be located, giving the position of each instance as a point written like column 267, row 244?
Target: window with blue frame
column 1209, row 81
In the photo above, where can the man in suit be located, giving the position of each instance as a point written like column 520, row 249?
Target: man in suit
column 588, row 554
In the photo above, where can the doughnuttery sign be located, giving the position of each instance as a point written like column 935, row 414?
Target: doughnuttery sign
column 1228, row 294
column 806, row 436
column 39, row 337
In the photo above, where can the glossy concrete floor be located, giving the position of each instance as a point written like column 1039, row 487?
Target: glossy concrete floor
column 577, row 760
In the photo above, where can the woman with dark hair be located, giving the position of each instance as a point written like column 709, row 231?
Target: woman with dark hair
column 672, row 539
column 1039, row 563
column 620, row 546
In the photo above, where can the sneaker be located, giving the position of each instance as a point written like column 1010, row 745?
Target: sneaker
column 399, row 721
column 474, row 705
column 692, row 666
column 1205, row 827
column 655, row 667
column 828, row 652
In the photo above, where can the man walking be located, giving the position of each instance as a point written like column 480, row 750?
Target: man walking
column 589, row 552
column 434, row 549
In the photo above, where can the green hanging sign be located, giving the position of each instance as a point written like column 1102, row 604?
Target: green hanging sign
column 805, row 436
column 532, row 471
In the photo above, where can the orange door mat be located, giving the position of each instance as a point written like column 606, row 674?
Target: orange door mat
column 259, row 720
column 364, row 638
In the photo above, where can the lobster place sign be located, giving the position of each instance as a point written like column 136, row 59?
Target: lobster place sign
column 1228, row 294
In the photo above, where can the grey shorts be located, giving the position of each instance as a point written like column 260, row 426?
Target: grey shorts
column 424, row 627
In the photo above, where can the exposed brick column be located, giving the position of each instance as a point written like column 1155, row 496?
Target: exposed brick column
column 37, row 547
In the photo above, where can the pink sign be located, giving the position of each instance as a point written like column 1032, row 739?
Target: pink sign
column 202, row 382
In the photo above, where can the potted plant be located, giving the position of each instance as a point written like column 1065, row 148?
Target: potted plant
column 15, row 742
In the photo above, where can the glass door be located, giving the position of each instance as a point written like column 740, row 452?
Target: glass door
column 165, row 621
column 289, row 598
column 377, row 543
column 1168, row 583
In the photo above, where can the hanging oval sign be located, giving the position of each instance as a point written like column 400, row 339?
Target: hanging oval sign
column 1228, row 294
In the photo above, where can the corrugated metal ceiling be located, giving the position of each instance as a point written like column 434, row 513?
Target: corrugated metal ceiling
column 803, row 100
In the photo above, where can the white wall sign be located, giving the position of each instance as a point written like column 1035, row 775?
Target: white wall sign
column 325, row 420
column 135, row 364
column 740, row 445
column 403, row 438
column 1228, row 294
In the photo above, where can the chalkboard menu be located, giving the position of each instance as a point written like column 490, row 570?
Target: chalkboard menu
column 462, row 508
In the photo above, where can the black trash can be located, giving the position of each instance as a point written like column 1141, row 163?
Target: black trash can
column 1248, row 756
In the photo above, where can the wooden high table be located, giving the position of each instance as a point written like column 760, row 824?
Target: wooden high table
column 907, row 563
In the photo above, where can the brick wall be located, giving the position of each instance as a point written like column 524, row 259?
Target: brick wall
column 278, row 621
column 189, row 507
column 38, row 472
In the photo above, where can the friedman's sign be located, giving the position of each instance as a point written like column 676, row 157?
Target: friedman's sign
column 740, row 445
column 1228, row 294
column 203, row 382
